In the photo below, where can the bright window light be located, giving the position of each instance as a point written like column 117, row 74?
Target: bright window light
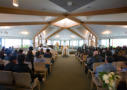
column 66, row 23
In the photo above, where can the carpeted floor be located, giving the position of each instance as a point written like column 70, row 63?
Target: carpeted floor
column 67, row 74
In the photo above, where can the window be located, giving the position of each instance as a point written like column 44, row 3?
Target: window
column 27, row 43
column 16, row 43
column 49, row 42
column 105, row 42
column 81, row 42
column 118, row 42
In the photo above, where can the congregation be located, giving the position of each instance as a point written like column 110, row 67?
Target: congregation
column 96, row 60
column 35, row 63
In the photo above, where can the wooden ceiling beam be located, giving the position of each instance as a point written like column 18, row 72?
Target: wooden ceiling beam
column 99, row 22
column 59, row 30
column 57, row 19
column 101, row 12
column 44, row 28
column 71, row 30
column 27, row 12
column 107, row 22
column 29, row 23
column 88, row 28
column 21, row 23
column 83, row 24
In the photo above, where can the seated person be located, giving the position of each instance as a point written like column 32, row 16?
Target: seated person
column 124, row 68
column 41, row 51
column 95, row 58
column 122, row 85
column 11, row 65
column 2, row 56
column 107, row 67
column 38, row 57
column 48, row 54
column 15, row 53
column 21, row 67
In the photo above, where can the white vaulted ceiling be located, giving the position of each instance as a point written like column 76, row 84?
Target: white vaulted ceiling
column 48, row 6
column 24, row 18
column 15, row 31
column 65, row 35
column 117, row 31
column 109, row 17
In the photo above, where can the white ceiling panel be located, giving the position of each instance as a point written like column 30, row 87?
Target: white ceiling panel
column 15, row 31
column 65, row 35
column 24, row 18
column 109, row 17
column 116, row 31
column 81, row 30
column 50, row 30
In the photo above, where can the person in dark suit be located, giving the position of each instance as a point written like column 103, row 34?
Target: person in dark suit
column 11, row 65
column 95, row 58
column 30, row 58
column 41, row 51
column 21, row 67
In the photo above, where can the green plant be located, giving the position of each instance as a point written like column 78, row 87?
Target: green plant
column 109, row 79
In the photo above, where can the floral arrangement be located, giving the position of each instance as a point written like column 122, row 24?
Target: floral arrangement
column 109, row 79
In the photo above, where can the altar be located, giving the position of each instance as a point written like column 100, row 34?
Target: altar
column 65, row 51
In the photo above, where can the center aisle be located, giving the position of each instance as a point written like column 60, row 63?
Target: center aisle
column 67, row 74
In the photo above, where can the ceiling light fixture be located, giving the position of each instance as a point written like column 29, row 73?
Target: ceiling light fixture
column 86, row 32
column 66, row 23
column 15, row 3
column 106, row 32
column 69, row 3
column 72, row 36
column 5, row 27
column 57, row 36
column 24, row 32
column 124, row 26
column 44, row 32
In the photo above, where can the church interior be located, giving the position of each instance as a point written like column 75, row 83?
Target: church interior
column 63, row 44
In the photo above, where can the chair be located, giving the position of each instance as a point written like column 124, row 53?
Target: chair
column 84, row 60
column 23, row 81
column 97, row 64
column 39, row 67
column 48, row 61
column 95, row 80
column 6, row 79
column 118, row 64
column 94, row 67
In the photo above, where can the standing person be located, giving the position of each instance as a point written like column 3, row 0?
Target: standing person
column 30, row 58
